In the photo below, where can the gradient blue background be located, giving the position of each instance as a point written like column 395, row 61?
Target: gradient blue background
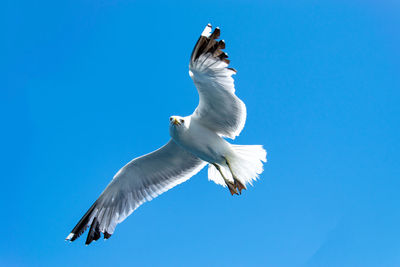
column 89, row 85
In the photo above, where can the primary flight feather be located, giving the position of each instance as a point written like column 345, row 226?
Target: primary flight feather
column 196, row 140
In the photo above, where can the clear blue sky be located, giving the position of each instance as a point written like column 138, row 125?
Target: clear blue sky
column 83, row 80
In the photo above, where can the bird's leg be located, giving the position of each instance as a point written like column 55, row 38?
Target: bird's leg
column 231, row 186
column 237, row 183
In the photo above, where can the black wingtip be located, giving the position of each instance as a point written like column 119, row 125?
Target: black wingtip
column 82, row 225
column 106, row 235
column 94, row 232
column 209, row 44
column 215, row 34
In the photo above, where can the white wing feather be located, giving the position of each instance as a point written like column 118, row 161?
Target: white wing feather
column 139, row 181
column 219, row 108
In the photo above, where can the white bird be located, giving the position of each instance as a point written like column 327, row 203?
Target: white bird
column 196, row 140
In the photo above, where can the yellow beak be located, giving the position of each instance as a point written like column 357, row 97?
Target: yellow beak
column 176, row 122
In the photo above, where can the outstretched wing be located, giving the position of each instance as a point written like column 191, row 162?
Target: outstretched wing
column 139, row 181
column 219, row 108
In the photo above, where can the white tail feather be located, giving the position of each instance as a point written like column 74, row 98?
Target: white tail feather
column 246, row 163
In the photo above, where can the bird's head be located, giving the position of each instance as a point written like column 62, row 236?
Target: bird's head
column 178, row 125
column 176, row 121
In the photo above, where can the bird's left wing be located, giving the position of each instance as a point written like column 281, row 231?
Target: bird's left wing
column 139, row 181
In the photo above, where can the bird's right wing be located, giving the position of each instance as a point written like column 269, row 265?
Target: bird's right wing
column 219, row 108
column 140, row 180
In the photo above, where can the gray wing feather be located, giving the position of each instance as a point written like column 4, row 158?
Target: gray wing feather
column 139, row 181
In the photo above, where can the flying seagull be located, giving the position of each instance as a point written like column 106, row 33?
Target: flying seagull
column 196, row 140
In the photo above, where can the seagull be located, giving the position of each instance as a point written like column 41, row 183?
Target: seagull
column 196, row 141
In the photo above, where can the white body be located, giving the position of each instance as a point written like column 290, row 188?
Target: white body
column 193, row 136
column 205, row 144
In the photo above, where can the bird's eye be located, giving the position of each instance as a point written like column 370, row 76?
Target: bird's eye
column 170, row 119
column 182, row 121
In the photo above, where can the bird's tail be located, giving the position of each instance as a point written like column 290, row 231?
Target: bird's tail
column 246, row 162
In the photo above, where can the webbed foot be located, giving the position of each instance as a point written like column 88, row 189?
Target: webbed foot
column 238, row 184
column 232, row 188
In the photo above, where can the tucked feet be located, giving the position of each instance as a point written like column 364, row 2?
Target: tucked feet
column 231, row 186
column 238, row 184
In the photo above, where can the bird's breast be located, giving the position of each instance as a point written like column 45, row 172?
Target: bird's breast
column 202, row 142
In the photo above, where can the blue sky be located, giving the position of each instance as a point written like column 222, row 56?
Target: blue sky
column 89, row 85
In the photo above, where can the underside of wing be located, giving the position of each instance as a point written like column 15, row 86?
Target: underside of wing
column 219, row 108
column 139, row 181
